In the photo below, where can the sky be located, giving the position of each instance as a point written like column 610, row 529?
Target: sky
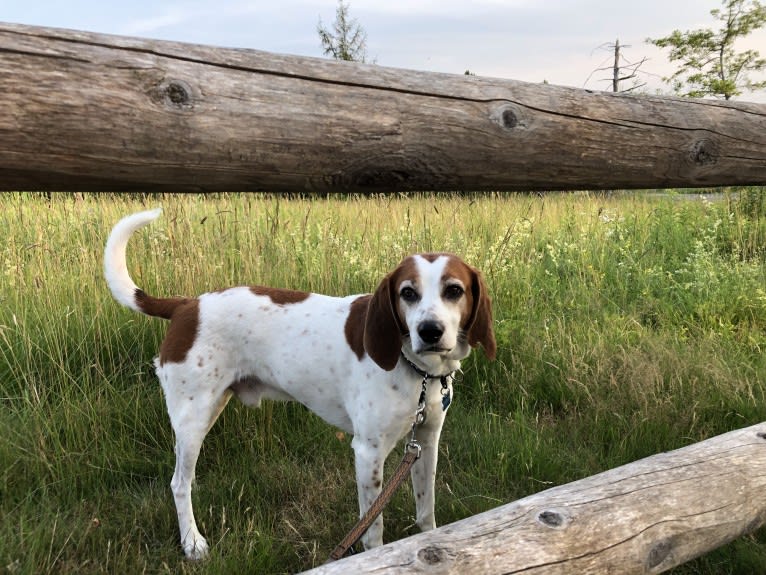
column 563, row 42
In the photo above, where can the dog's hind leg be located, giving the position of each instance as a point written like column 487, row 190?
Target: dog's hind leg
column 191, row 416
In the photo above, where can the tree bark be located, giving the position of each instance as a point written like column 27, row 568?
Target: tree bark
column 644, row 517
column 84, row 111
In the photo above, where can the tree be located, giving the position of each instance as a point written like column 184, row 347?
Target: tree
column 622, row 69
column 347, row 40
column 709, row 65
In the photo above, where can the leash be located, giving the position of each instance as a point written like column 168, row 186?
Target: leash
column 409, row 459
column 412, row 450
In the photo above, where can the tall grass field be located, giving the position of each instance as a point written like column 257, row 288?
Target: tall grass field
column 627, row 325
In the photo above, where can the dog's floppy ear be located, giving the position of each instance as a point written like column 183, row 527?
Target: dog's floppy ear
column 382, row 329
column 479, row 326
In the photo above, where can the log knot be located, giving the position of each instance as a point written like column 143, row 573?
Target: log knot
column 432, row 555
column 552, row 518
column 704, row 152
column 507, row 116
column 177, row 93
column 174, row 94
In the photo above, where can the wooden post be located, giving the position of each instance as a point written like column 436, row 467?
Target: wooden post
column 84, row 111
column 644, row 517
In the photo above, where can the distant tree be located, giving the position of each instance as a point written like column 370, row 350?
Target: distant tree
column 347, row 40
column 709, row 65
column 622, row 69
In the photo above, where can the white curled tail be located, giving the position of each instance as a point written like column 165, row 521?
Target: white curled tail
column 115, row 264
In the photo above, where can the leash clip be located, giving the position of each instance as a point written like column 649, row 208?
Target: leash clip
column 413, row 446
column 420, row 418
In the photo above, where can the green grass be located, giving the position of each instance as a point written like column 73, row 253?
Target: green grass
column 627, row 325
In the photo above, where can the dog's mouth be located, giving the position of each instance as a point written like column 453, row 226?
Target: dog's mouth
column 433, row 350
column 437, row 348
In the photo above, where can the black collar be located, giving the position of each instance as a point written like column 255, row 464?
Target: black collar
column 424, row 374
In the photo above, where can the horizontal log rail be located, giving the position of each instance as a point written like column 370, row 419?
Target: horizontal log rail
column 644, row 517
column 84, row 111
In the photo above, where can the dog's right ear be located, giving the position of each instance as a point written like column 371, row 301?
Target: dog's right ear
column 480, row 324
column 382, row 327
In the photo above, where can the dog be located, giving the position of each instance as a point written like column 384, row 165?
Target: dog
column 359, row 362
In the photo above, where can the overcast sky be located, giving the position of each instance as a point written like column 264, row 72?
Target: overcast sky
column 561, row 41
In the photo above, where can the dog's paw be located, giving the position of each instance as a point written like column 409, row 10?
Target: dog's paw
column 196, row 548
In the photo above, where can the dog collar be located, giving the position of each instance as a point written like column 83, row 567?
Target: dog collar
column 424, row 374
column 443, row 379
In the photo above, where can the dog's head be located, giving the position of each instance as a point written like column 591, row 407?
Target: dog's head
column 435, row 306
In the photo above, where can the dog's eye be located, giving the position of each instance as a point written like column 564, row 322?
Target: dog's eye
column 409, row 295
column 453, row 292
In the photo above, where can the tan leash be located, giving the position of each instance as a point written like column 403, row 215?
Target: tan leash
column 411, row 455
column 400, row 474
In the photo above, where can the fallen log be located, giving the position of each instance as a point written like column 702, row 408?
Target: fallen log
column 644, row 517
column 84, row 111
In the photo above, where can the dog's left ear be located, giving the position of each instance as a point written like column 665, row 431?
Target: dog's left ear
column 382, row 329
column 479, row 326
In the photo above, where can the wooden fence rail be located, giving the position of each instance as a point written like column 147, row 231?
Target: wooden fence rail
column 84, row 111
column 644, row 517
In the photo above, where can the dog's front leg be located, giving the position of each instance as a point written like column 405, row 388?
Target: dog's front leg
column 424, row 471
column 369, row 460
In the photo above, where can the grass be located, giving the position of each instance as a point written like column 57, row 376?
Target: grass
column 627, row 325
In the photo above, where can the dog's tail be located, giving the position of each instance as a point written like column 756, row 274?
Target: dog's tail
column 124, row 290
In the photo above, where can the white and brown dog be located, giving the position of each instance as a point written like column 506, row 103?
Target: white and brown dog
column 356, row 361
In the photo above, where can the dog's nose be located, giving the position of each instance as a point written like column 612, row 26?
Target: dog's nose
column 430, row 331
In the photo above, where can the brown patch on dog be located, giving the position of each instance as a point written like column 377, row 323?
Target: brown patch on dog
column 459, row 270
column 354, row 328
column 384, row 326
column 408, row 270
column 281, row 296
column 431, row 258
column 184, row 324
column 478, row 323
column 158, row 307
